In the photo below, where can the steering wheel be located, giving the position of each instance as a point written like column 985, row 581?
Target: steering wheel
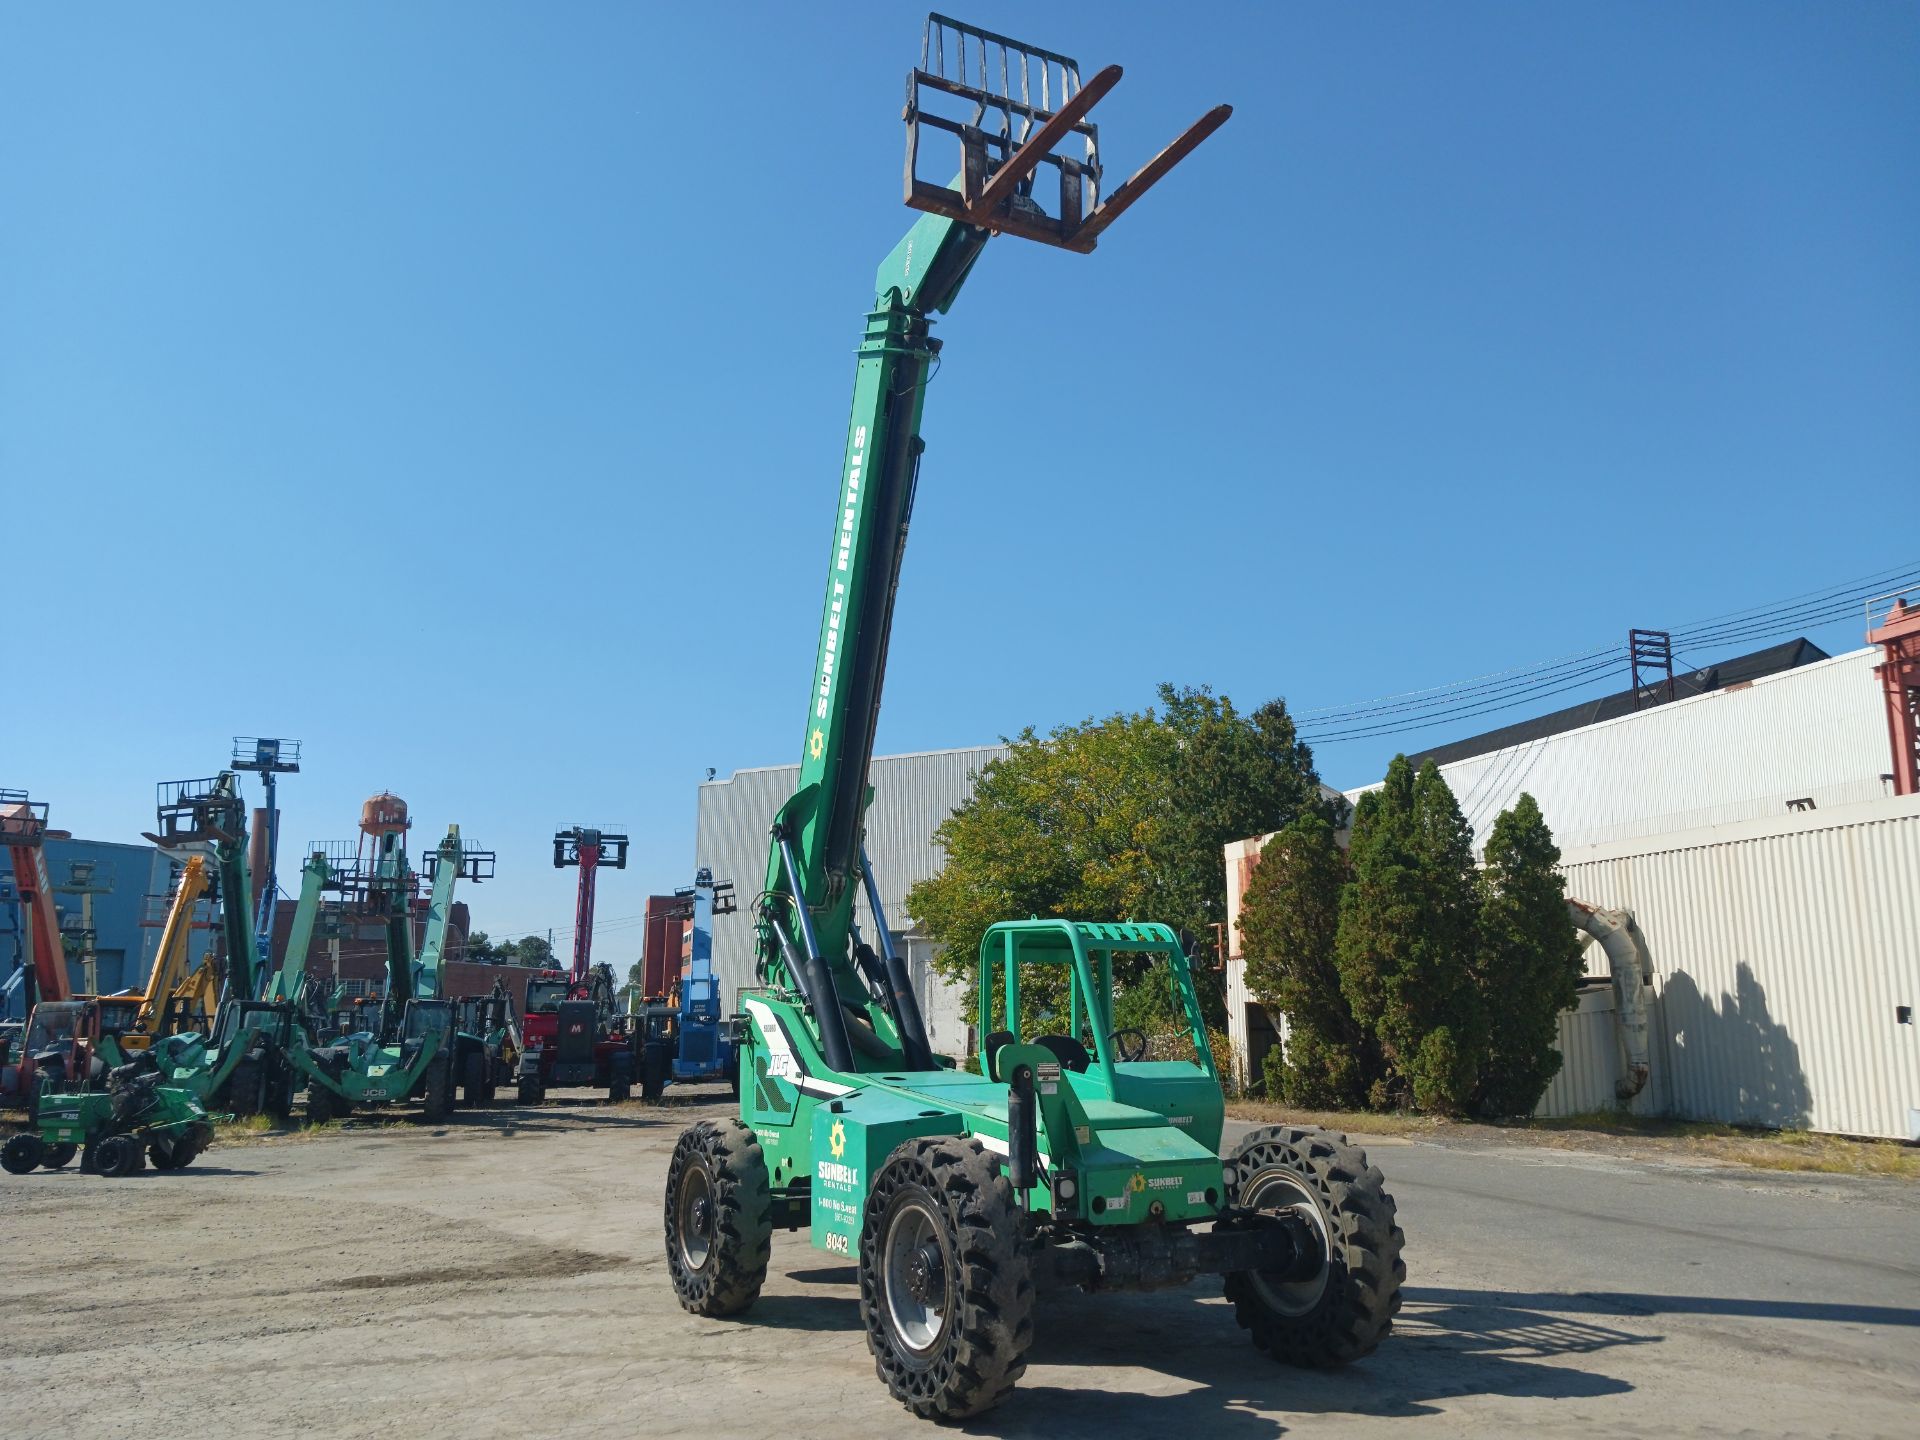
column 1130, row 1044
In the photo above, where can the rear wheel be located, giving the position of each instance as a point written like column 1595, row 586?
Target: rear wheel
column 22, row 1154
column 436, row 1095
column 118, row 1156
column 530, row 1092
column 622, row 1086
column 54, row 1157
column 1344, row 1311
column 945, row 1293
column 719, row 1218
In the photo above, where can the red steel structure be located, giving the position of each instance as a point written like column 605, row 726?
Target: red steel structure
column 1898, row 636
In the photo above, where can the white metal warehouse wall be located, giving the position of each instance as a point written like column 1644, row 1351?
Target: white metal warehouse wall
column 912, row 795
column 1819, row 732
column 1782, row 949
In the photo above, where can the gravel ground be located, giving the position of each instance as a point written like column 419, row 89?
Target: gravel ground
column 503, row 1276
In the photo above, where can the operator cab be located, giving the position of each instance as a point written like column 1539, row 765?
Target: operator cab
column 1051, row 983
column 544, row 997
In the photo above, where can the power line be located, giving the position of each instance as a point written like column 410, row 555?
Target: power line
column 1505, row 689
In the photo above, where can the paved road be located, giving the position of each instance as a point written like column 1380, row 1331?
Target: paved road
column 503, row 1276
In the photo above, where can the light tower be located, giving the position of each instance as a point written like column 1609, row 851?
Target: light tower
column 267, row 758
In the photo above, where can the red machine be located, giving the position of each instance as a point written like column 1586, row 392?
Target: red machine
column 570, row 1032
column 23, row 830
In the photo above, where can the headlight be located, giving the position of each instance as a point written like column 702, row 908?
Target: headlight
column 1063, row 1188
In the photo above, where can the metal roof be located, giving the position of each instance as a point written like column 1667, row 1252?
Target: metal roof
column 1814, row 734
column 1737, row 671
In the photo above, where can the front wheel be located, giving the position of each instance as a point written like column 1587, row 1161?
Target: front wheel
column 474, row 1084
column 945, row 1293
column 436, row 1095
column 530, row 1092
column 322, row 1104
column 656, row 1063
column 719, row 1218
column 1345, row 1310
column 246, row 1090
column 22, row 1154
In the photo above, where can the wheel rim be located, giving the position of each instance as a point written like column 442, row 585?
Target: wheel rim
column 1278, row 1191
column 914, row 1275
column 696, row 1217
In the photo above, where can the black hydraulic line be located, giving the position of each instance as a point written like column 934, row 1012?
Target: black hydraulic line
column 822, row 995
column 902, row 1005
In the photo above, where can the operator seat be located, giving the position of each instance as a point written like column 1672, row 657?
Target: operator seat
column 996, row 1042
column 1071, row 1054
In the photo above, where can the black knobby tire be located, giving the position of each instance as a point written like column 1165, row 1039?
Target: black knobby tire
column 474, row 1081
column 1345, row 1311
column 322, row 1104
column 622, row 1086
column 280, row 1088
column 246, row 1089
column 436, row 1094
column 946, row 1292
column 530, row 1093
column 656, row 1063
column 118, row 1156
column 719, row 1224
column 56, row 1157
column 170, row 1154
column 22, row 1154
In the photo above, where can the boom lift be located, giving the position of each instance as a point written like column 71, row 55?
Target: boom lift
column 1070, row 1159
column 418, row 1051
column 571, row 1034
column 178, row 998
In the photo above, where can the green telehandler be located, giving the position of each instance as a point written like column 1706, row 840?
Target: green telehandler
column 247, row 1065
column 419, row 1052
column 1070, row 1158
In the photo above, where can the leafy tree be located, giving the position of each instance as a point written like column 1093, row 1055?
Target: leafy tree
column 528, row 950
column 1115, row 819
column 1529, row 960
column 1406, row 943
column 1289, row 924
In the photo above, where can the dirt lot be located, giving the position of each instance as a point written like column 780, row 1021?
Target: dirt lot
column 503, row 1276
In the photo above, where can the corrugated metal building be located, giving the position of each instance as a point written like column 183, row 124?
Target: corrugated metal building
column 912, row 794
column 1748, row 830
column 130, row 885
column 1786, row 955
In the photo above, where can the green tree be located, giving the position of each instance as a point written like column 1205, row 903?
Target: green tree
column 1407, row 942
column 1115, row 819
column 1289, row 924
column 1529, row 960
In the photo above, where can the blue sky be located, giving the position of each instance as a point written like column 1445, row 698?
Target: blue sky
column 461, row 388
